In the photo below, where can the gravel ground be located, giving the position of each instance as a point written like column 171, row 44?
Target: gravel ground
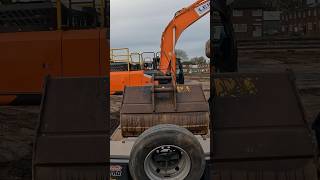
column 17, row 128
column 17, row 124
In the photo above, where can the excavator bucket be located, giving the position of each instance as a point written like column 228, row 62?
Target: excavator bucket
column 259, row 129
column 144, row 107
column 72, row 136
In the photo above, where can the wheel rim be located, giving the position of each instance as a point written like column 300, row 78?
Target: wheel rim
column 167, row 162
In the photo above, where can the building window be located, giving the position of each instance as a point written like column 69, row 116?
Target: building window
column 257, row 12
column 290, row 16
column 299, row 14
column 300, row 27
column 237, row 13
column 309, row 12
column 315, row 12
column 309, row 26
column 240, row 27
column 304, row 14
column 257, row 32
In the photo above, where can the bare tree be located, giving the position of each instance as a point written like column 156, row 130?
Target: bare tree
column 198, row 60
column 181, row 54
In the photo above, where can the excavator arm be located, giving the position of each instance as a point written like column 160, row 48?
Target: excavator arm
column 181, row 21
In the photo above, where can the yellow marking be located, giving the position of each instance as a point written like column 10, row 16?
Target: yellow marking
column 235, row 87
column 183, row 89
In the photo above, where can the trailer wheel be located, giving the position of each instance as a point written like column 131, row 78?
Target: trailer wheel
column 166, row 152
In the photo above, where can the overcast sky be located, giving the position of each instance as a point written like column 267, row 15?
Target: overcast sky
column 138, row 25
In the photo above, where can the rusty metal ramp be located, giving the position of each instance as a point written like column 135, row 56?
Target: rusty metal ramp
column 147, row 106
column 73, row 133
column 259, row 129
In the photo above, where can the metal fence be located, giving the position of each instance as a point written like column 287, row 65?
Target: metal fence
column 196, row 68
column 53, row 14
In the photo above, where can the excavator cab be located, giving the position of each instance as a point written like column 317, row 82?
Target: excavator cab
column 151, row 62
column 148, row 60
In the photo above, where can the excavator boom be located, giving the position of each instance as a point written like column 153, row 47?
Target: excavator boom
column 182, row 20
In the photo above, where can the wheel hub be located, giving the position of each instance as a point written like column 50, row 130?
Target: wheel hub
column 167, row 162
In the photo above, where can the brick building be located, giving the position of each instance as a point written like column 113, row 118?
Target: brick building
column 305, row 21
column 252, row 19
column 247, row 18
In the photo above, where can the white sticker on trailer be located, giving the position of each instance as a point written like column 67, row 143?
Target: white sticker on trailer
column 203, row 8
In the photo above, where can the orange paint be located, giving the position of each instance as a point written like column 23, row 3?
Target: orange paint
column 5, row 100
column 118, row 80
column 27, row 57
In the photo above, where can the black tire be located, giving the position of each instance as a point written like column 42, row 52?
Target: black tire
column 167, row 134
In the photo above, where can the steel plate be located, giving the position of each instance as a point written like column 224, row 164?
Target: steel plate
column 73, row 134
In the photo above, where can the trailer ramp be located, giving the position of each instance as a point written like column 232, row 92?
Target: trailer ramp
column 73, row 134
column 259, row 129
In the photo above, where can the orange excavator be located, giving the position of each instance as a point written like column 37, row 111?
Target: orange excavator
column 163, row 64
column 166, row 62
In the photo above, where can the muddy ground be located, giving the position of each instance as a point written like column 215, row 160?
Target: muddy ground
column 17, row 124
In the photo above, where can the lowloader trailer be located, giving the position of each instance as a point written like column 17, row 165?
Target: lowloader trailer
column 258, row 131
